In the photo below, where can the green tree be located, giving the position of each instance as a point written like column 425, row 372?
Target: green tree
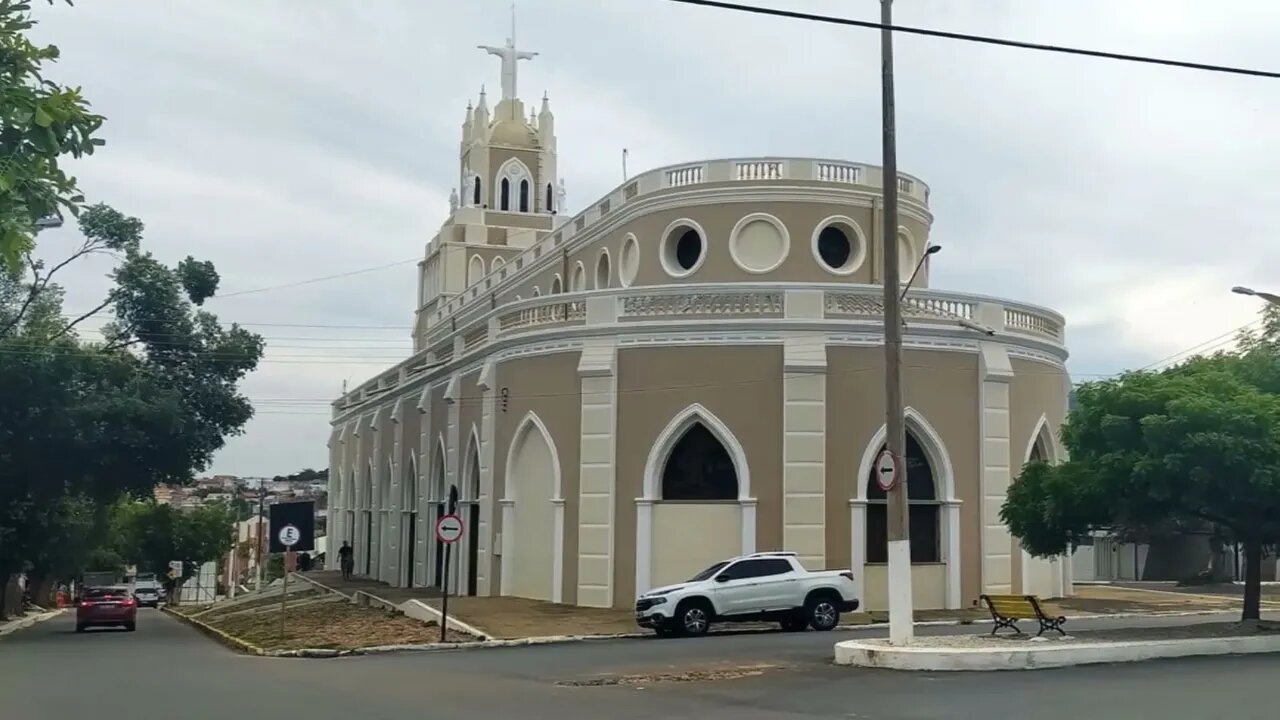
column 150, row 404
column 151, row 535
column 1197, row 445
column 40, row 123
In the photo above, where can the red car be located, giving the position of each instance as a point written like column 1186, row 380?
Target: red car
column 106, row 606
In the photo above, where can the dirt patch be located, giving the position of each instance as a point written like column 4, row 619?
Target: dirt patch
column 688, row 676
column 336, row 625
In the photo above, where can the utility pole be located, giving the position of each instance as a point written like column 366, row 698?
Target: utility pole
column 901, row 627
column 262, row 497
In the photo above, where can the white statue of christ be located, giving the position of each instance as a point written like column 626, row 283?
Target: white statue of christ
column 510, row 57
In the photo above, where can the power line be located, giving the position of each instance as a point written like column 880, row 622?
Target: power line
column 310, row 281
column 984, row 39
column 1230, row 336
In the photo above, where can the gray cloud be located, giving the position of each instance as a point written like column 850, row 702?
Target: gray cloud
column 294, row 139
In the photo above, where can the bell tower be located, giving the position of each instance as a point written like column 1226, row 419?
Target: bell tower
column 506, row 198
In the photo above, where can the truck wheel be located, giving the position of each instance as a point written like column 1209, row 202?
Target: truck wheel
column 130, row 627
column 79, row 628
column 821, row 612
column 693, row 618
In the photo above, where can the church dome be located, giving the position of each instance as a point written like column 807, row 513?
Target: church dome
column 513, row 132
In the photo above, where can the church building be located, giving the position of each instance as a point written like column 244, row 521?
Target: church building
column 689, row 368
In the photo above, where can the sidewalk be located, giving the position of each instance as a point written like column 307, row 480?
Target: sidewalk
column 15, row 624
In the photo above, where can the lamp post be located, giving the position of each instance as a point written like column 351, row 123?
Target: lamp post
column 901, row 627
column 1269, row 297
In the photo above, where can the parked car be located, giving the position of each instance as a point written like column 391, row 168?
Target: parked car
column 106, row 606
column 767, row 586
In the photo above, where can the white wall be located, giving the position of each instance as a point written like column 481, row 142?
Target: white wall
column 688, row 537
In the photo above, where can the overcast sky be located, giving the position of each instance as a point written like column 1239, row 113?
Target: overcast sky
column 290, row 139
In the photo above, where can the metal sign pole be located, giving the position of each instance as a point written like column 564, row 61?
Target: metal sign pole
column 444, row 602
column 284, row 591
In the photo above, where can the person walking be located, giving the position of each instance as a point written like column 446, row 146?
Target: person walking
column 346, row 559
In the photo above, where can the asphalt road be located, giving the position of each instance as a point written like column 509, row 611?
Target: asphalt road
column 166, row 670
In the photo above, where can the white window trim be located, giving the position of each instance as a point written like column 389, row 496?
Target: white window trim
column 595, row 275
column 628, row 239
column 676, row 271
column 754, row 217
column 858, row 255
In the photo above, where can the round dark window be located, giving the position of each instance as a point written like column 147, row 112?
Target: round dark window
column 834, row 247
column 688, row 249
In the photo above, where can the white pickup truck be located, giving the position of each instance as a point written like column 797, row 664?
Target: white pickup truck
column 766, row 586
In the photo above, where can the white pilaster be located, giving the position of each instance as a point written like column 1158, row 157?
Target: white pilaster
column 453, row 451
column 644, row 544
column 426, row 456
column 488, row 423
column 597, row 470
column 858, row 548
column 804, row 425
column 995, row 373
column 508, row 544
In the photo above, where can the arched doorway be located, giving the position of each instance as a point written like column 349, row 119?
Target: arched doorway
column 368, row 518
column 531, row 566
column 439, row 498
column 409, row 508
column 934, row 516
column 470, row 511
column 696, row 476
column 1041, row 576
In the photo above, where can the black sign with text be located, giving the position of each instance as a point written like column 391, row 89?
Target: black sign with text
column 300, row 515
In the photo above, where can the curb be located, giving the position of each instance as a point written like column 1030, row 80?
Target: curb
column 226, row 639
column 983, row 659
column 28, row 621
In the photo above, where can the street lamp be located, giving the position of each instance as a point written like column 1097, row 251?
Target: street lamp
column 1269, row 297
column 48, row 222
column 930, row 250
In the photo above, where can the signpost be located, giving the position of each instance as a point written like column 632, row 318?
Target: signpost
column 449, row 530
column 288, row 536
column 887, row 470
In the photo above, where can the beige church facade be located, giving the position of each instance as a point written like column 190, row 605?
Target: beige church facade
column 689, row 368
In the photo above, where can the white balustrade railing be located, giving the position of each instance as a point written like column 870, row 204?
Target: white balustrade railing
column 690, row 175
column 1035, row 324
column 837, row 172
column 760, row 170
column 709, row 303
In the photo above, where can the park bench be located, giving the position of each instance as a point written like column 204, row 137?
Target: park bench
column 1006, row 610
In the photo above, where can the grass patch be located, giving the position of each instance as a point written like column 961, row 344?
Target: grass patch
column 336, row 625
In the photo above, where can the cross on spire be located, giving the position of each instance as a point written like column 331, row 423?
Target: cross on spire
column 511, row 57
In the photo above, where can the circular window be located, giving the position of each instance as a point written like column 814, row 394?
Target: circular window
column 838, row 245
column 759, row 243
column 683, row 248
column 629, row 264
column 602, row 270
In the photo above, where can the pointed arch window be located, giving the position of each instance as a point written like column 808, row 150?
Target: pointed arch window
column 923, row 509
column 475, row 193
column 551, row 200
column 524, row 196
column 504, row 197
column 699, row 467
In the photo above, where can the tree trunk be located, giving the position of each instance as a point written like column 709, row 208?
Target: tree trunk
column 1252, row 580
column 5, row 609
